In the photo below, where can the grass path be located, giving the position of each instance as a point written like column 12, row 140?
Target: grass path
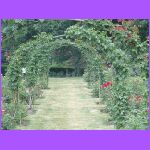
column 67, row 104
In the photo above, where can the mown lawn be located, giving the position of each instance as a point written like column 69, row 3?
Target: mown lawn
column 67, row 104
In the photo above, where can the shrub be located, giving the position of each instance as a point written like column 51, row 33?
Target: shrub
column 13, row 115
column 95, row 89
column 7, row 95
column 137, row 119
column 127, row 103
column 7, row 122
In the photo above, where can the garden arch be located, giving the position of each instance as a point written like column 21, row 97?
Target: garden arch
column 120, row 51
column 30, row 63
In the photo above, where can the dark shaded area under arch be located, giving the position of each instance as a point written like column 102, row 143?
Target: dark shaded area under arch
column 65, row 72
column 66, row 61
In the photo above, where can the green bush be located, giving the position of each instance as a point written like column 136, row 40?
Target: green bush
column 95, row 89
column 23, row 95
column 6, row 93
column 21, row 112
column 7, row 122
column 127, row 103
column 13, row 115
column 4, row 68
column 137, row 119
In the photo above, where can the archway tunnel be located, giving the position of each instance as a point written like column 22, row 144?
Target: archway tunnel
column 66, row 61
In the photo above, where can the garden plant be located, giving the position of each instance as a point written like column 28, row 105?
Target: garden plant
column 115, row 56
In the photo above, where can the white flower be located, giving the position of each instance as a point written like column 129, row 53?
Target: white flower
column 23, row 70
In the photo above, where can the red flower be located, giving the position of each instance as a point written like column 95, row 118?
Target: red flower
column 138, row 99
column 109, row 83
column 106, row 84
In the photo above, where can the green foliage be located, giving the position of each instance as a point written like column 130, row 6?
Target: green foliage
column 137, row 121
column 120, row 106
column 7, row 122
column 116, row 52
column 13, row 115
column 20, row 31
column 6, row 95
